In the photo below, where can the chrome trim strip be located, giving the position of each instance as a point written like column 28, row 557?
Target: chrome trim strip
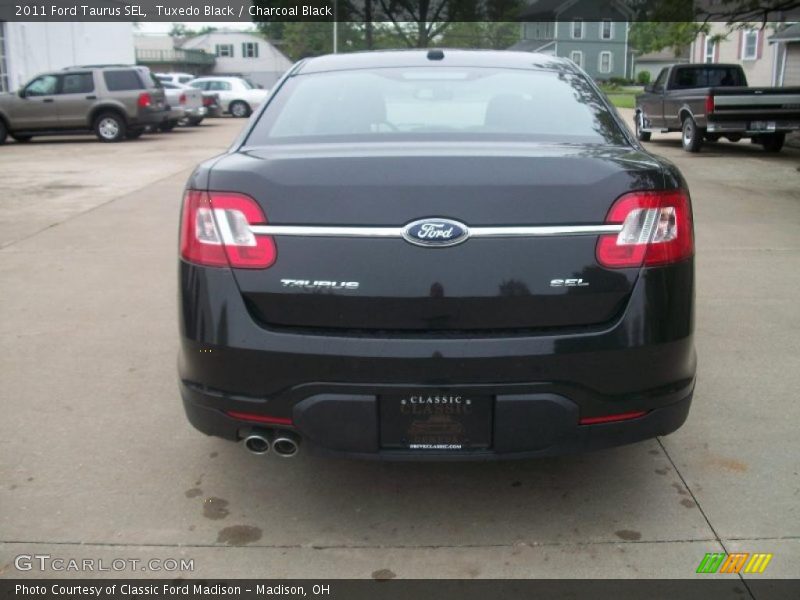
column 397, row 232
column 325, row 231
column 543, row 230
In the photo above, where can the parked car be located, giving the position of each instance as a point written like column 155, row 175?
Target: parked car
column 237, row 96
column 176, row 78
column 402, row 236
column 113, row 101
column 188, row 99
column 709, row 101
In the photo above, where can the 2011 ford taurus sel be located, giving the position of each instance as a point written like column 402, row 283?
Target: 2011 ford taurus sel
column 436, row 255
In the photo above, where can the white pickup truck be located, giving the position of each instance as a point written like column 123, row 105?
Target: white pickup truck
column 186, row 105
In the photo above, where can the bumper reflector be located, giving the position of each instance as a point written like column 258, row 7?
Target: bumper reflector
column 612, row 418
column 259, row 418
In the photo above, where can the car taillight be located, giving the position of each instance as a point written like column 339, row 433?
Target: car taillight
column 656, row 230
column 709, row 104
column 182, row 99
column 207, row 101
column 145, row 100
column 215, row 231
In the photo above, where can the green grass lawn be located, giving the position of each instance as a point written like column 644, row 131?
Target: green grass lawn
column 621, row 97
column 622, row 100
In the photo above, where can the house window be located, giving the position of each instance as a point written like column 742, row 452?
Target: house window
column 606, row 31
column 250, row 50
column 750, row 44
column 3, row 67
column 604, row 62
column 708, row 57
column 225, row 50
column 577, row 29
column 576, row 56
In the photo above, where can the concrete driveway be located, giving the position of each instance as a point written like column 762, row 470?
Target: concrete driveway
column 98, row 462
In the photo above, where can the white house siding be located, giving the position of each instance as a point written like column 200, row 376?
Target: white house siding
column 791, row 69
column 31, row 48
column 758, row 70
column 264, row 70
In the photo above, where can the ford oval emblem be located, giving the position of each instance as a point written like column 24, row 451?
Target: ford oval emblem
column 436, row 233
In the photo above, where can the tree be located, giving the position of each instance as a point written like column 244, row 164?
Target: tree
column 647, row 36
column 479, row 34
column 180, row 30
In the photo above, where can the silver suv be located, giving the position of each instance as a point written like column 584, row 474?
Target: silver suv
column 113, row 101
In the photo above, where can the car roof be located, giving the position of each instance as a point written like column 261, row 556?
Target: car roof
column 434, row 58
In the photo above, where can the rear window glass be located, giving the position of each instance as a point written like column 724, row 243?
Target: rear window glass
column 693, row 77
column 117, row 81
column 437, row 103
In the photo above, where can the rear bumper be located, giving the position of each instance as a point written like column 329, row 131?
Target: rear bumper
column 151, row 117
column 196, row 111
column 746, row 127
column 525, row 426
column 328, row 385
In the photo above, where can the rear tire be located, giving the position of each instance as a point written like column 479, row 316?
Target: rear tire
column 22, row 139
column 642, row 136
column 3, row 132
column 109, row 127
column 239, row 109
column 691, row 138
column 773, row 142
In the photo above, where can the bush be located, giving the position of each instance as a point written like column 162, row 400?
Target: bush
column 643, row 78
column 619, row 81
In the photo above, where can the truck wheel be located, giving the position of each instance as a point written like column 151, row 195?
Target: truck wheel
column 3, row 132
column 239, row 109
column 642, row 136
column 109, row 127
column 691, row 138
column 773, row 142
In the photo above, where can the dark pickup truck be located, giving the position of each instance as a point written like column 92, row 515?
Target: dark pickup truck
column 709, row 101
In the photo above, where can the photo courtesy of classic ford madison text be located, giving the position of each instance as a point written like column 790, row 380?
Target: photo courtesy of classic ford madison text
column 400, row 299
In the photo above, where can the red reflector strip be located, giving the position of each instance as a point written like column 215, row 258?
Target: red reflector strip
column 612, row 418
column 259, row 418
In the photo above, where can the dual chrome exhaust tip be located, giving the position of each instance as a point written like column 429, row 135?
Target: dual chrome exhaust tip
column 282, row 443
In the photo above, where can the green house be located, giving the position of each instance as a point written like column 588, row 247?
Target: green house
column 575, row 29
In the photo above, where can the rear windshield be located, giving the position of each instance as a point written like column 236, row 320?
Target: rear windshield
column 437, row 103
column 694, row 77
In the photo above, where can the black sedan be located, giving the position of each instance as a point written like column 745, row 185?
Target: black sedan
column 436, row 255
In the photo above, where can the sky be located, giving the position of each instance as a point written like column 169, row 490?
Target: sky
column 153, row 27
